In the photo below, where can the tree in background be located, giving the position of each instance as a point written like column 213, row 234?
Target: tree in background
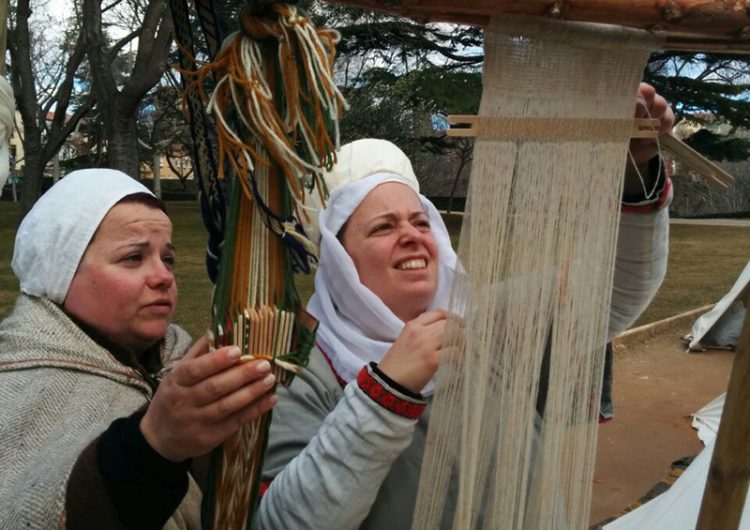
column 45, row 76
column 711, row 95
column 101, row 66
column 401, row 77
column 163, row 132
column 120, row 91
column 442, row 92
column 709, row 90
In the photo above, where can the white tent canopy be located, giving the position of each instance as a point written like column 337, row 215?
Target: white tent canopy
column 722, row 326
column 707, row 419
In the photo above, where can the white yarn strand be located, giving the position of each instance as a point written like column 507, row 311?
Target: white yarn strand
column 649, row 194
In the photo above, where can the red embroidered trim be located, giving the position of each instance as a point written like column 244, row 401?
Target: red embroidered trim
column 652, row 206
column 263, row 488
column 383, row 397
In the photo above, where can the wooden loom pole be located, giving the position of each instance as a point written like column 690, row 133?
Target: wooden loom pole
column 704, row 17
column 699, row 25
column 729, row 474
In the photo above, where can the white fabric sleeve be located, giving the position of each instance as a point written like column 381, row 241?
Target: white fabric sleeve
column 640, row 265
column 332, row 483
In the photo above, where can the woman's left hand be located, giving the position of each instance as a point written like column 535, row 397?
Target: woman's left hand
column 649, row 104
column 206, row 397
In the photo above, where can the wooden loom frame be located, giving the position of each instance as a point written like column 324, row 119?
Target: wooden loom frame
column 711, row 26
column 691, row 25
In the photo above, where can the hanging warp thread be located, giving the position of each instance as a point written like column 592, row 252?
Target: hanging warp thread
column 537, row 248
column 274, row 102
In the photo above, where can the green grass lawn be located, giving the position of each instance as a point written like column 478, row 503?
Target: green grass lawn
column 704, row 263
column 8, row 281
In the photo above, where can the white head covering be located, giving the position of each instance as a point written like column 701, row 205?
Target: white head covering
column 356, row 327
column 54, row 235
column 355, row 161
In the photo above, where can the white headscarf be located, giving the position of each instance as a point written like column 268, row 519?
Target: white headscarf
column 54, row 235
column 356, row 327
column 355, row 161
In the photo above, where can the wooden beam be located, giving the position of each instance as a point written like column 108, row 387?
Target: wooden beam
column 693, row 160
column 726, row 22
column 540, row 128
column 729, row 474
column 469, row 126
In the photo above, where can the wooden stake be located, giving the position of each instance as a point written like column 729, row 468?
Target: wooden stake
column 729, row 474
column 695, row 161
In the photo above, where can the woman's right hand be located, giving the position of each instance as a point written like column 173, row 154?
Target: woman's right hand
column 414, row 357
column 207, row 397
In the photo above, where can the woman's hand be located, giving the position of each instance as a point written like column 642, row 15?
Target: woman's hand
column 649, row 104
column 414, row 357
column 207, row 397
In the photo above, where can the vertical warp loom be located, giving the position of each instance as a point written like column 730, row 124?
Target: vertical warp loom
column 537, row 249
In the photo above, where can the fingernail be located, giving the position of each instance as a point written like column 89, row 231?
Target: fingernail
column 273, row 399
column 263, row 366
column 269, row 380
column 235, row 353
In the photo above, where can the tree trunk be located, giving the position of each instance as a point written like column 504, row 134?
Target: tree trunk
column 122, row 152
column 31, row 184
column 119, row 101
column 56, row 167
column 3, row 33
column 32, row 108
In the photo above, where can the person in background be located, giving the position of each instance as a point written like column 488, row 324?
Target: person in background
column 103, row 402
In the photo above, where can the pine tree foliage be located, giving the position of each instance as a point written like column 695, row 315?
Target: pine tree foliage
column 390, row 38
column 402, row 78
column 712, row 91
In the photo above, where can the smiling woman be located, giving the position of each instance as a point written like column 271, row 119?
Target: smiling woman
column 376, row 232
column 391, row 244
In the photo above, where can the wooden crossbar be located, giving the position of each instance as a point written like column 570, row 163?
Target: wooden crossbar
column 545, row 129
column 549, row 128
